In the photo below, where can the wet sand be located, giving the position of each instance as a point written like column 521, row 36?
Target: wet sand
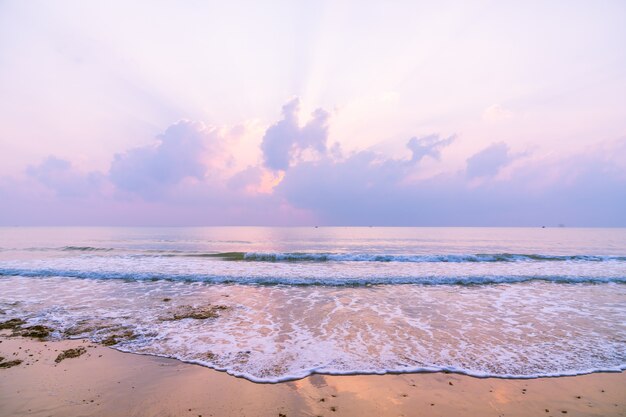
column 104, row 382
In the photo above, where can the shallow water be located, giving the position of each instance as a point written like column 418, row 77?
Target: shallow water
column 484, row 301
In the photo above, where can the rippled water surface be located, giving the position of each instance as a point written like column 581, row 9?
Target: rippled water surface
column 281, row 303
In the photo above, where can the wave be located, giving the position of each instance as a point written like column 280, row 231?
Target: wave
column 369, row 257
column 313, row 281
column 392, row 371
column 86, row 249
column 338, row 256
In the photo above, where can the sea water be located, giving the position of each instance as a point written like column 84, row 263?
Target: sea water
column 287, row 302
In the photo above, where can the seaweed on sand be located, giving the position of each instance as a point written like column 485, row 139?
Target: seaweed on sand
column 114, row 339
column 9, row 364
column 198, row 313
column 11, row 324
column 70, row 353
column 36, row 332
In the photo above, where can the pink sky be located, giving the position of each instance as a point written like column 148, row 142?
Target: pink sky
column 358, row 113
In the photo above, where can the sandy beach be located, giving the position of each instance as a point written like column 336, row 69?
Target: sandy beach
column 312, row 208
column 105, row 382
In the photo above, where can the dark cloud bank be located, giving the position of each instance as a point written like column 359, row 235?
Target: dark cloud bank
column 174, row 182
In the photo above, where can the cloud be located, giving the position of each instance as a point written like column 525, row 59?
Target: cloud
column 177, row 154
column 367, row 189
column 489, row 161
column 59, row 175
column 184, row 178
column 285, row 140
column 334, row 186
column 361, row 189
column 427, row 146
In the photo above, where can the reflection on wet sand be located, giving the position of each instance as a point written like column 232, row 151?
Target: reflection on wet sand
column 104, row 382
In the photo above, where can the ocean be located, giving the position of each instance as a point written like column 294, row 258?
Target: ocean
column 276, row 304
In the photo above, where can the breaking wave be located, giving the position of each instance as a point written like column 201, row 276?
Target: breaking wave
column 336, row 281
column 368, row 257
column 86, row 249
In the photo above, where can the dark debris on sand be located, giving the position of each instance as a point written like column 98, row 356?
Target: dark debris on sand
column 70, row 353
column 198, row 313
column 114, row 339
column 9, row 364
column 37, row 332
column 11, row 324
column 82, row 327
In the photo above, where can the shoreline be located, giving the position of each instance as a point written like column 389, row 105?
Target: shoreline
column 103, row 381
column 420, row 371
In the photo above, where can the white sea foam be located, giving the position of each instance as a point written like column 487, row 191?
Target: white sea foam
column 308, row 281
column 376, row 257
column 277, row 333
column 513, row 303
column 127, row 266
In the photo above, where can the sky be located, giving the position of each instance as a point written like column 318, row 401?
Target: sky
column 404, row 113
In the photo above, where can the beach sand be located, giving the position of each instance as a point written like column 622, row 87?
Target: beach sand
column 105, row 382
